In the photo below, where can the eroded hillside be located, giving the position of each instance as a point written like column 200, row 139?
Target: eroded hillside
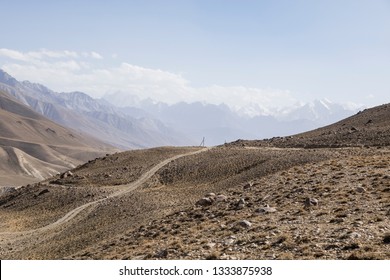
column 33, row 148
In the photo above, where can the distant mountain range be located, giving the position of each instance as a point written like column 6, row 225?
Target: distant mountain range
column 128, row 122
column 97, row 118
column 219, row 123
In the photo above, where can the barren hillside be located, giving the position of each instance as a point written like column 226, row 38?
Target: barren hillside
column 33, row 148
column 244, row 200
column 370, row 127
column 333, row 209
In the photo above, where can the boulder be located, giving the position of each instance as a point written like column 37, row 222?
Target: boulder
column 205, row 201
column 244, row 224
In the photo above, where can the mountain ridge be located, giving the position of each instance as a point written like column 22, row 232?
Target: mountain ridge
column 148, row 123
column 220, row 123
column 32, row 145
column 369, row 127
column 98, row 118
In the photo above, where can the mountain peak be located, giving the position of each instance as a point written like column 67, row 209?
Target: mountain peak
column 35, row 86
column 7, row 79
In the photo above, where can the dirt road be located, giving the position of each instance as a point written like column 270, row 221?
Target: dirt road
column 85, row 209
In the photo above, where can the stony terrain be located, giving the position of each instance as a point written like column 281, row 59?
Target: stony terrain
column 243, row 200
column 370, row 127
column 34, row 206
column 335, row 209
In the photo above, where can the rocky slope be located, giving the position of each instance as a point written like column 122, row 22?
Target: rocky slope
column 243, row 200
column 335, row 209
column 370, row 127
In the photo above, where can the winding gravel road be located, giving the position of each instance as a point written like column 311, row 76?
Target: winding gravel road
column 123, row 189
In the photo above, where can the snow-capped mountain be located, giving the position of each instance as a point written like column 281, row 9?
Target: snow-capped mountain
column 220, row 123
column 322, row 112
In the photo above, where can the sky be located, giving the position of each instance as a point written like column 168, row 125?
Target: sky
column 268, row 53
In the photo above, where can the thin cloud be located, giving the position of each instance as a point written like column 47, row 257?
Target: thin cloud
column 12, row 54
column 94, row 55
column 35, row 56
column 65, row 71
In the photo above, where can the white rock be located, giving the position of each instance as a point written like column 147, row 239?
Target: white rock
column 265, row 210
column 244, row 224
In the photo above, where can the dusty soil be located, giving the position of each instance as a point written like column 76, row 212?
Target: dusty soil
column 39, row 214
column 369, row 128
column 273, row 199
column 34, row 206
column 350, row 221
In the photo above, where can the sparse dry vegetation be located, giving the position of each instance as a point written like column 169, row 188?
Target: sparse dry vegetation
column 245, row 200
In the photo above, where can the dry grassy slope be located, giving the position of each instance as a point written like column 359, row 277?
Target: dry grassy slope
column 88, row 182
column 39, row 205
column 370, row 127
column 33, row 147
column 351, row 220
column 160, row 220
column 141, row 224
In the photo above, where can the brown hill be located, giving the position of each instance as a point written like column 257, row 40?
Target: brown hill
column 333, row 209
column 33, row 148
column 229, row 202
column 370, row 127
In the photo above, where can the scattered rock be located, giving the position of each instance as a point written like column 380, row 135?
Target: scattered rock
column 352, row 246
column 240, row 204
column 309, row 202
column 220, row 198
column 161, row 254
column 231, row 240
column 354, row 235
column 66, row 175
column 56, row 182
column 360, row 189
column 353, row 129
column 205, row 201
column 244, row 224
column 265, row 210
column 386, row 238
column 248, row 185
column 209, row 245
column 43, row 192
column 357, row 223
column 210, row 195
column 336, row 221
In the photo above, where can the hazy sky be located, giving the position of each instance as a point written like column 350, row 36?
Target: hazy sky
column 270, row 52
